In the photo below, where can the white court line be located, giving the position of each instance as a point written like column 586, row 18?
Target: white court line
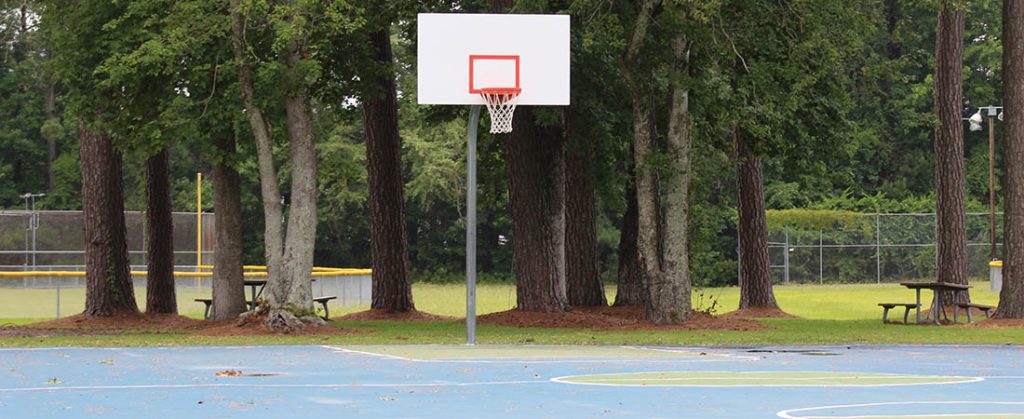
column 787, row 414
column 548, row 360
column 229, row 385
column 564, row 380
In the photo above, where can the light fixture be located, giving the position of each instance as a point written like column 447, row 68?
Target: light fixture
column 975, row 121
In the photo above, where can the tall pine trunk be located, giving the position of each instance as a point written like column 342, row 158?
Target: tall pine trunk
column 629, row 291
column 950, row 205
column 583, row 279
column 535, row 163
column 389, row 245
column 109, row 288
column 160, row 295
column 228, row 280
column 755, row 276
column 1011, row 297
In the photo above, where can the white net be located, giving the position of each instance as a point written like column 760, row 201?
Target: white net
column 501, row 104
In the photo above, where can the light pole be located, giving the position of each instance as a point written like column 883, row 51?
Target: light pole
column 993, row 112
column 33, row 221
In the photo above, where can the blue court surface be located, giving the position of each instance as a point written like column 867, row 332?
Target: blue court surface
column 491, row 381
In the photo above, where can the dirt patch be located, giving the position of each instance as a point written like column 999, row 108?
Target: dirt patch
column 759, row 313
column 11, row 331
column 409, row 316
column 997, row 323
column 613, row 318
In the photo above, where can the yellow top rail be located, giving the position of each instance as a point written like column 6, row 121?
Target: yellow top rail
column 334, row 272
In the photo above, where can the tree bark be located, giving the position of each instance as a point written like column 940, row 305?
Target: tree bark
column 1011, row 297
column 160, row 295
column 109, row 288
column 583, row 278
column 293, row 290
column 535, row 163
column 951, row 231
column 755, row 275
column 630, row 278
column 669, row 292
column 273, row 230
column 389, row 246
column 228, row 280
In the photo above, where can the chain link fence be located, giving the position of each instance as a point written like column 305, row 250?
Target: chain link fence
column 873, row 248
column 55, row 240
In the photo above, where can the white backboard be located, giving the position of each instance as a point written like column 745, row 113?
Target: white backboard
column 459, row 53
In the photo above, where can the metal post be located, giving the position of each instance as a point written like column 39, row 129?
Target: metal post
column 199, row 226
column 785, row 254
column 878, row 248
column 474, row 120
column 821, row 258
column 992, row 185
column 34, row 219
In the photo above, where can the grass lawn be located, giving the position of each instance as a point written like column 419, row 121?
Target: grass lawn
column 833, row 314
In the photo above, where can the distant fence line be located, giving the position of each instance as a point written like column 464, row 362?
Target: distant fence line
column 873, row 248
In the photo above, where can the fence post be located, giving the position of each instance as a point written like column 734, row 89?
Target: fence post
column 878, row 249
column 785, row 254
column 821, row 258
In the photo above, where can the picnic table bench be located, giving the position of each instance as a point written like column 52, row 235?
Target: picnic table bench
column 208, row 303
column 888, row 306
column 968, row 308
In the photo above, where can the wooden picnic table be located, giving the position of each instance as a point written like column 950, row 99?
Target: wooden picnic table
column 937, row 287
column 256, row 286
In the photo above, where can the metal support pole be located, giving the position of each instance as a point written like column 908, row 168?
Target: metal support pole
column 785, row 254
column 992, row 186
column 34, row 219
column 821, row 258
column 878, row 248
column 199, row 226
column 474, row 120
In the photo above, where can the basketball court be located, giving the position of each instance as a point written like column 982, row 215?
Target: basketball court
column 514, row 381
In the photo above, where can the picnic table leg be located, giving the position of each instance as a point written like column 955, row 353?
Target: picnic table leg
column 919, row 305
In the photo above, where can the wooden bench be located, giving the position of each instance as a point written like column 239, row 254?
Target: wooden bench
column 323, row 301
column 968, row 306
column 208, row 302
column 888, row 306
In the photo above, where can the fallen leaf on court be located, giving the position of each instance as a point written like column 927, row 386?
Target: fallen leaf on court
column 53, row 380
column 229, row 373
column 107, row 362
column 387, row 399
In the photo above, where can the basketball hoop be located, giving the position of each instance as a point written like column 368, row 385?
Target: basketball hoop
column 501, row 104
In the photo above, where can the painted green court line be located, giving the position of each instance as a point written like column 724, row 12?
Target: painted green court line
column 481, row 352
column 760, row 379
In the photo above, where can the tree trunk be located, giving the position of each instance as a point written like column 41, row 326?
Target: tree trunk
column 583, row 278
column 630, row 277
column 292, row 291
column 1011, row 298
column 160, row 296
column 669, row 295
column 755, row 275
column 228, row 281
column 951, row 240
column 273, row 230
column 389, row 245
column 51, row 115
column 535, row 162
column 109, row 288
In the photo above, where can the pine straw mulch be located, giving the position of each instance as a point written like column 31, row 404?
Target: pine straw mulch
column 130, row 323
column 759, row 313
column 408, row 316
column 614, row 318
column 996, row 323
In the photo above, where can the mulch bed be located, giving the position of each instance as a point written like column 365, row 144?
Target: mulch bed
column 612, row 319
column 997, row 323
column 80, row 325
column 759, row 313
column 408, row 316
